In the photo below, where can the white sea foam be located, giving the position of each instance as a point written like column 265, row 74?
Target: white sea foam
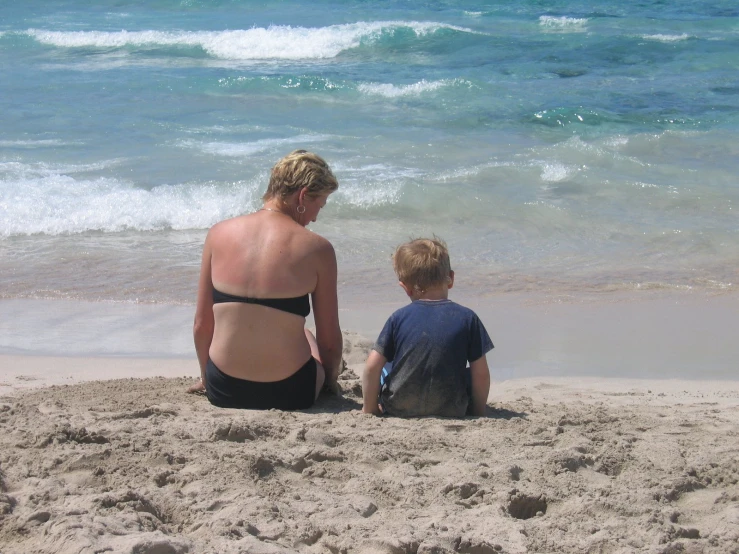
column 563, row 23
column 19, row 170
column 244, row 149
column 395, row 91
column 544, row 204
column 666, row 38
column 367, row 186
column 274, row 42
column 380, row 194
column 46, row 200
column 554, row 172
column 467, row 172
column 576, row 154
column 34, row 143
column 617, row 141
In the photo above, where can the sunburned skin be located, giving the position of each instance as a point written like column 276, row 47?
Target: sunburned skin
column 257, row 275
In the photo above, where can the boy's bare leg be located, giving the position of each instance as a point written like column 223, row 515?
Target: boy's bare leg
column 320, row 372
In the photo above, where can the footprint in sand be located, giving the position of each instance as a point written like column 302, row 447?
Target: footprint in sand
column 51, row 407
column 523, row 506
column 147, row 413
column 319, row 437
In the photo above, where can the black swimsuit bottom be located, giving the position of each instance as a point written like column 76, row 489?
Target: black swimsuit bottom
column 297, row 392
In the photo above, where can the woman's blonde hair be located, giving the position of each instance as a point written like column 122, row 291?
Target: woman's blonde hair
column 422, row 263
column 300, row 169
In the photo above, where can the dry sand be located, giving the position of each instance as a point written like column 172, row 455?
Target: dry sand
column 560, row 465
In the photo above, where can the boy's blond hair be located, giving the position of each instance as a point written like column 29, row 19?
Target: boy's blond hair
column 300, row 169
column 422, row 263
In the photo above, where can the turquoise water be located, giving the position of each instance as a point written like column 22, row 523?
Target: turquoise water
column 578, row 146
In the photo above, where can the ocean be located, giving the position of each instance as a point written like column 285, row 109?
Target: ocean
column 558, row 147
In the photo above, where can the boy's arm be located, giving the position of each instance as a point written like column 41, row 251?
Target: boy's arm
column 480, row 386
column 371, row 382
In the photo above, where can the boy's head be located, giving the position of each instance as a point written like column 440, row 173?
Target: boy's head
column 423, row 264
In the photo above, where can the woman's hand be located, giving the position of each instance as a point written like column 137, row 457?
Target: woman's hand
column 197, row 388
column 332, row 387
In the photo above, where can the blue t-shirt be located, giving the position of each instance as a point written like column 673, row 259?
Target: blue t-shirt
column 430, row 343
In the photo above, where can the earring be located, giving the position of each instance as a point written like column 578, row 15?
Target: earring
column 300, row 209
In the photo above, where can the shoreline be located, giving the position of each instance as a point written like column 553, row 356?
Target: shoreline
column 22, row 373
column 33, row 374
column 646, row 336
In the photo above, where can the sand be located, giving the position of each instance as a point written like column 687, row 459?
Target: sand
column 561, row 464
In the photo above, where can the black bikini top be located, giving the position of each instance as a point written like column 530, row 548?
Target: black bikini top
column 299, row 305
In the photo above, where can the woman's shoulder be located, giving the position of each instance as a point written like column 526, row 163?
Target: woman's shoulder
column 229, row 226
column 321, row 244
column 314, row 250
column 302, row 237
column 273, row 232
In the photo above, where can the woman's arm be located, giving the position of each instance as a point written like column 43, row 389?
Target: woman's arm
column 326, row 314
column 204, row 320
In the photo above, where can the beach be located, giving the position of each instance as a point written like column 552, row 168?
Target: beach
column 560, row 465
column 580, row 160
column 582, row 463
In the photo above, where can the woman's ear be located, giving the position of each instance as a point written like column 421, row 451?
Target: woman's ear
column 301, row 196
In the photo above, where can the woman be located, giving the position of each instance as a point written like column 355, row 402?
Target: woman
column 257, row 272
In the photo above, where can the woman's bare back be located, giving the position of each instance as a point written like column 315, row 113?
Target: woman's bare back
column 265, row 255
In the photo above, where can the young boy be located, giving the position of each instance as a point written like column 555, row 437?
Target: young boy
column 428, row 344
